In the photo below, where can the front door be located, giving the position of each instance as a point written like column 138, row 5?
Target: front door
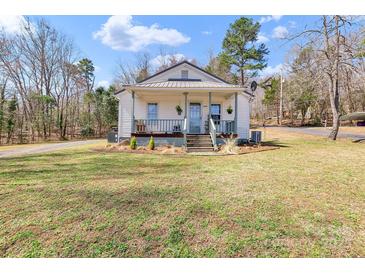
column 195, row 118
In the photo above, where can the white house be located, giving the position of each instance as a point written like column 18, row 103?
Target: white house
column 183, row 103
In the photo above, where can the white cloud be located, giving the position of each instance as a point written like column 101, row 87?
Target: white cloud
column 261, row 38
column 271, row 70
column 269, row 18
column 103, row 83
column 162, row 59
column 206, row 32
column 97, row 68
column 280, row 32
column 120, row 33
column 11, row 23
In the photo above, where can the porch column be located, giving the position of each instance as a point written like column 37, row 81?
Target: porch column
column 132, row 127
column 235, row 112
column 209, row 104
column 209, row 107
column 186, row 105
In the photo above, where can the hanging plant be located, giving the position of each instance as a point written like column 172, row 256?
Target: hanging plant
column 179, row 110
column 229, row 110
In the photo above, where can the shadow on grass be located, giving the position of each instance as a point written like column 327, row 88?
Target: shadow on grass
column 274, row 143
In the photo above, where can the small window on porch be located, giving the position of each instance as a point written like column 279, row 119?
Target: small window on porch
column 215, row 111
column 152, row 111
column 184, row 74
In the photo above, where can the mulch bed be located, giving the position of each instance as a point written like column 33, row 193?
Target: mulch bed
column 171, row 150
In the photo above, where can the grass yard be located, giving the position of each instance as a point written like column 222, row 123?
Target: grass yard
column 306, row 199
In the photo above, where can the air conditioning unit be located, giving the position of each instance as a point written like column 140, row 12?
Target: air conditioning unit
column 256, row 136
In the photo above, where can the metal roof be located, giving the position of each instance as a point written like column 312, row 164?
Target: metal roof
column 183, row 84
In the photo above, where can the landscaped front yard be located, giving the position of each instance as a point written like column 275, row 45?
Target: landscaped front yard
column 306, row 199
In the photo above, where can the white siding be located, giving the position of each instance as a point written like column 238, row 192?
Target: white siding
column 125, row 114
column 243, row 116
column 176, row 73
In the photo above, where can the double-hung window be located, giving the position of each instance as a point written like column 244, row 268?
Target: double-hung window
column 215, row 111
column 152, row 111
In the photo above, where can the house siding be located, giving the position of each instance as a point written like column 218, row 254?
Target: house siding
column 125, row 114
column 243, row 117
column 176, row 73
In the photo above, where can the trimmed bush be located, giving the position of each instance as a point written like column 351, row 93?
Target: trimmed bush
column 133, row 144
column 151, row 143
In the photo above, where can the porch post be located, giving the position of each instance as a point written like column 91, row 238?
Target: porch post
column 186, row 117
column 209, row 104
column 132, row 128
column 209, row 107
column 235, row 112
column 186, row 104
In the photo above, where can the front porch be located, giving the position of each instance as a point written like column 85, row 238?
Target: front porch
column 200, row 113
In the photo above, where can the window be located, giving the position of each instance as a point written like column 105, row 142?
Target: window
column 184, row 74
column 215, row 111
column 152, row 111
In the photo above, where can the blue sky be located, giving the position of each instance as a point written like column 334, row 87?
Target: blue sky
column 192, row 36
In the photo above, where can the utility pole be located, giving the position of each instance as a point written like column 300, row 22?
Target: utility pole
column 281, row 97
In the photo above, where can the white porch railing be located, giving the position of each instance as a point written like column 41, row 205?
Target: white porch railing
column 213, row 133
column 185, row 131
column 225, row 126
column 158, row 125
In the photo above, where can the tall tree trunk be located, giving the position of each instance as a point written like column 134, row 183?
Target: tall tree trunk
column 335, row 98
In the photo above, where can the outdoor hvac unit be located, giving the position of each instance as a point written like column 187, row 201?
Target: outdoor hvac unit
column 112, row 137
column 256, row 136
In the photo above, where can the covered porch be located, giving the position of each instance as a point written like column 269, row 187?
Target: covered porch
column 173, row 114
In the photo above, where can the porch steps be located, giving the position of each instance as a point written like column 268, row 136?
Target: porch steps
column 199, row 143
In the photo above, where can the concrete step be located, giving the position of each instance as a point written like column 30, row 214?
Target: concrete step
column 199, row 149
column 198, row 139
column 200, row 144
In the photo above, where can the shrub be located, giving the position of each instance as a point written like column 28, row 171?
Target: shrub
column 151, row 143
column 133, row 143
column 87, row 131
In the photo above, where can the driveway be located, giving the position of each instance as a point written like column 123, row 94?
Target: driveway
column 320, row 131
column 43, row 148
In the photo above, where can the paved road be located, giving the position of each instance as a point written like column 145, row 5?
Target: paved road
column 323, row 132
column 42, row 148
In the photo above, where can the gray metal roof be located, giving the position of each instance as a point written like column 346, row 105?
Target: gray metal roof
column 183, row 84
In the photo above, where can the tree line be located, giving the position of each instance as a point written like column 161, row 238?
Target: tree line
column 47, row 91
column 322, row 78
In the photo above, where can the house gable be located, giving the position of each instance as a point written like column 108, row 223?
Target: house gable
column 183, row 71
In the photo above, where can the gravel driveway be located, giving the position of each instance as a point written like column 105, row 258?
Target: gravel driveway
column 42, row 148
column 323, row 132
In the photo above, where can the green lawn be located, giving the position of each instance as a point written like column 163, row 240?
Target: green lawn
column 306, row 199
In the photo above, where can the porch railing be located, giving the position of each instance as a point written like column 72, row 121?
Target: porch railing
column 224, row 126
column 185, row 130
column 158, row 125
column 213, row 133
